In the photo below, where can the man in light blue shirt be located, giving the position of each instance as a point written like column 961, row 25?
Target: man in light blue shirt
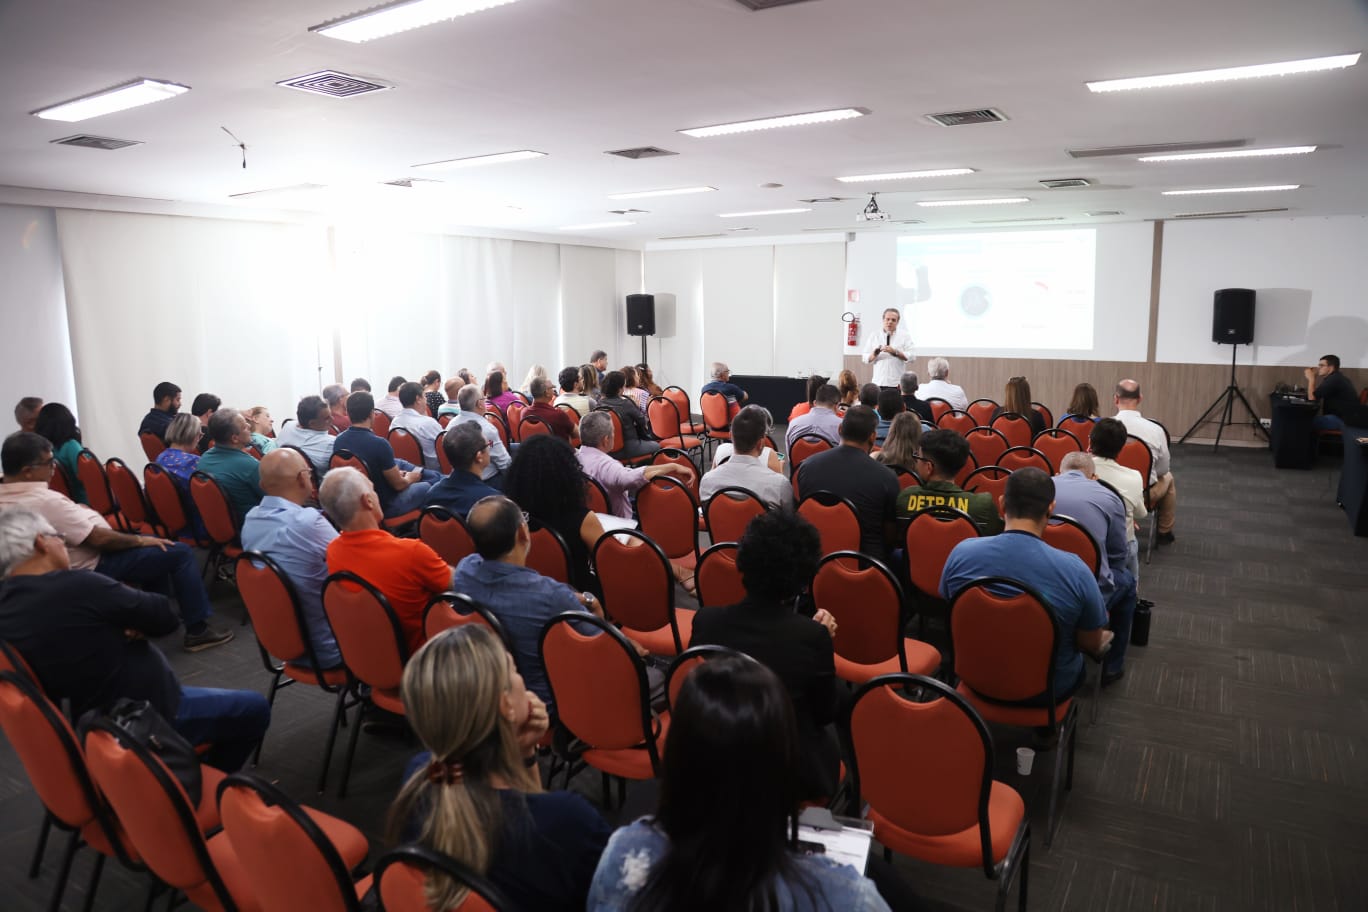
column 313, row 417
column 296, row 537
column 424, row 428
column 499, row 459
column 822, row 420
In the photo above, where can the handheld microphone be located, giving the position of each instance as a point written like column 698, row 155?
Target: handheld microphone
column 888, row 338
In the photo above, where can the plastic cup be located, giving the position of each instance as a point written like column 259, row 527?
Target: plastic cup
column 1025, row 759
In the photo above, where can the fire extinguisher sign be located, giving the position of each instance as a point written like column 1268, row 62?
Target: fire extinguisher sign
column 852, row 296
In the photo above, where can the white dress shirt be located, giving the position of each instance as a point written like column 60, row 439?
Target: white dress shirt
column 751, row 473
column 940, row 389
column 888, row 369
column 1153, row 435
column 425, row 430
column 317, row 445
column 1129, row 485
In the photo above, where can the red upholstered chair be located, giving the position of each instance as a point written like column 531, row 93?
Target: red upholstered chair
column 1045, row 413
column 500, row 425
column 835, row 519
column 128, row 494
column 729, row 511
column 1081, row 428
column 1056, row 443
column 443, row 420
column 639, row 592
column 446, row 533
column 939, row 407
column 982, row 410
column 380, row 423
column 1023, row 457
column 959, row 422
column 169, row 506
column 716, row 415
column 676, row 456
column 718, row 579
column 667, row 425
column 152, row 445
column 938, row 805
column 549, row 554
column 91, row 474
column 989, row 480
column 220, row 521
column 1016, row 428
column 596, row 496
column 513, row 415
column 865, row 598
column 986, row 445
column 806, row 445
column 531, row 425
column 1006, row 639
column 619, row 450
column 970, row 466
column 930, row 536
column 401, row 876
column 669, row 516
column 680, row 398
column 61, row 481
column 405, row 446
column 690, row 659
column 1137, row 455
column 393, row 523
column 454, row 609
column 443, row 461
column 341, row 457
column 1068, row 534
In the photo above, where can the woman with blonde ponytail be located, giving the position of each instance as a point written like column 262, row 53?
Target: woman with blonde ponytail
column 476, row 795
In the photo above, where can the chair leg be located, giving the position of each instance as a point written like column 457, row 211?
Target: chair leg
column 64, row 872
column 1096, row 696
column 339, row 718
column 1025, row 876
column 607, row 791
column 94, row 881
column 351, row 751
column 622, row 792
column 36, row 865
column 270, row 703
column 1054, row 795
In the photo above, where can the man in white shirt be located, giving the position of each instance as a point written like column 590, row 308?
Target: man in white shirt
column 1162, row 494
column 744, row 469
column 389, row 404
column 422, row 426
column 572, row 391
column 888, row 349
column 940, row 387
column 309, row 433
column 1107, row 440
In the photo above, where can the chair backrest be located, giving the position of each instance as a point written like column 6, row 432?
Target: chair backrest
column 1055, row 444
column 91, row 475
column 906, row 477
column 663, row 417
column 1080, row 427
column 123, row 484
column 152, row 445
column 61, row 481
column 344, row 457
column 405, row 446
column 988, row 480
column 938, row 407
column 865, row 598
column 165, row 497
column 687, row 661
column 1016, row 428
column 970, row 466
column 981, row 410
column 680, row 397
column 931, row 535
column 293, row 863
column 513, row 414
column 1045, row 413
column 596, row 496
column 273, row 605
column 955, row 420
column 443, row 461
column 806, row 445
column 1068, row 534
column 368, row 632
column 549, row 554
column 729, row 511
column 500, row 425
column 446, row 533
column 835, row 519
column 599, row 683
column 1021, row 457
column 1005, row 639
column 638, row 585
column 531, row 425
column 401, row 877
column 716, row 417
column 1137, row 455
column 220, row 519
column 986, row 445
column 453, row 609
column 619, row 444
column 676, row 456
column 380, row 423
column 717, row 577
column 669, row 515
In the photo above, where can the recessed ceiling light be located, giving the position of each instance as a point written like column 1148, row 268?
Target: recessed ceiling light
column 120, row 98
column 770, row 123
column 761, row 212
column 1001, row 201
column 643, row 194
column 904, row 175
column 475, row 161
column 1231, row 153
column 400, row 17
column 1263, row 189
column 589, row 226
column 1225, row 74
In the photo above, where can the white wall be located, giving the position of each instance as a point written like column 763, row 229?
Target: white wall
column 1309, row 277
column 35, row 351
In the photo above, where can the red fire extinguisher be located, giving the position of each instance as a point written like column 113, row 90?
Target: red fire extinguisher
column 852, row 321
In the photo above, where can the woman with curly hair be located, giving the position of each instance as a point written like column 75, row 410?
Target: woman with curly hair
column 546, row 482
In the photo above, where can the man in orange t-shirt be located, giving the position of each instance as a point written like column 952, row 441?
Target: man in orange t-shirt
column 405, row 570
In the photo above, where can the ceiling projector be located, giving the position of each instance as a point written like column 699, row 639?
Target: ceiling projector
column 872, row 212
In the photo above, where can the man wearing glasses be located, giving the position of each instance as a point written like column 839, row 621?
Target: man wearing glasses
column 468, row 450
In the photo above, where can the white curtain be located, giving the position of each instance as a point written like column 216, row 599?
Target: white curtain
column 35, row 356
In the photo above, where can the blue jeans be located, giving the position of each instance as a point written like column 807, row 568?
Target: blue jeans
column 233, row 721
column 1121, row 609
column 152, row 566
column 1328, row 423
column 414, row 497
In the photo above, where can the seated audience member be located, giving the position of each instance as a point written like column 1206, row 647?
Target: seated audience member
column 1334, row 391
column 474, row 794
column 27, row 462
column 821, row 420
column 572, row 391
column 902, row 446
column 181, row 456
column 1107, row 440
column 432, row 392
column 814, row 383
column 166, row 401
column 940, row 386
column 1103, row 515
column 534, row 372
column 389, row 404
column 547, row 483
column 869, row 396
column 909, row 385
column 497, row 394
column 56, row 423
column 745, row 469
column 497, row 577
column 721, row 383
column 556, row 419
column 499, row 459
column 1016, row 398
column 636, row 436
column 228, row 462
column 847, row 471
column 890, row 406
column 467, row 376
column 451, row 408
column 424, row 428
column 401, row 490
column 360, row 385
column 596, row 440
column 946, row 452
column 1083, row 402
column 590, row 378
column 296, row 536
column 646, row 380
column 86, row 638
column 732, row 743
column 630, row 389
column 599, row 362
column 405, row 570
column 1061, row 579
column 768, row 457
column 468, row 452
column 777, row 558
column 493, row 366
column 335, row 395
column 262, row 426
column 313, row 419
column 1163, row 495
column 204, row 407
column 848, row 387
column 26, row 413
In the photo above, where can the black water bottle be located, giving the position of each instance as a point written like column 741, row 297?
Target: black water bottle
column 1140, row 625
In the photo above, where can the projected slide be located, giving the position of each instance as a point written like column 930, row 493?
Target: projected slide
column 1010, row 289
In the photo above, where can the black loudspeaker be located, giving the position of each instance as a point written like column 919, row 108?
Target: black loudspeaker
column 641, row 315
column 1232, row 316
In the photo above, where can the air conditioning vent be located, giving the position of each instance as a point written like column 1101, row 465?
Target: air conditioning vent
column 760, row 5
column 87, row 141
column 964, row 118
column 1159, row 148
column 1065, row 183
column 333, row 84
column 1008, row 221
column 1099, row 213
column 829, row 199
column 690, row 237
column 641, row 152
column 1231, row 213
column 629, row 211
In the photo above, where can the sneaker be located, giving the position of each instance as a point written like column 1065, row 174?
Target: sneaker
column 1111, row 677
column 207, row 638
column 1164, row 538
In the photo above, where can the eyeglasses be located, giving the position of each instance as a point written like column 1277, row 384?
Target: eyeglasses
column 43, row 463
column 526, row 518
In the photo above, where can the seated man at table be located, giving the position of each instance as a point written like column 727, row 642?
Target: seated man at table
column 1326, row 385
column 947, row 452
column 620, row 482
column 313, row 419
column 847, row 471
column 468, row 452
column 555, row 418
column 401, row 490
column 744, row 469
column 421, row 425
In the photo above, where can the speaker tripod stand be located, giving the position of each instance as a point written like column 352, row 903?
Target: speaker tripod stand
column 1226, row 402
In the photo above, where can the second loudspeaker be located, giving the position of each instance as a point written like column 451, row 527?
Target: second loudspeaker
column 641, row 315
column 1232, row 316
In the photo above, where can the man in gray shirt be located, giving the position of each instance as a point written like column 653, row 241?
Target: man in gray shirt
column 499, row 460
column 822, row 420
column 744, row 469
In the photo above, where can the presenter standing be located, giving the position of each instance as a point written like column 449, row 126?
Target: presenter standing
column 888, row 349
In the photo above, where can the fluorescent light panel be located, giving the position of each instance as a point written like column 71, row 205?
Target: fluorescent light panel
column 475, row 161
column 904, row 175
column 770, row 123
column 120, row 98
column 761, row 212
column 589, row 226
column 645, row 194
column 1264, row 189
column 1226, row 74
column 1231, row 153
column 401, row 17
column 1001, row 201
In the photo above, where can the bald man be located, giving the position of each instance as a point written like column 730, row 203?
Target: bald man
column 296, row 536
